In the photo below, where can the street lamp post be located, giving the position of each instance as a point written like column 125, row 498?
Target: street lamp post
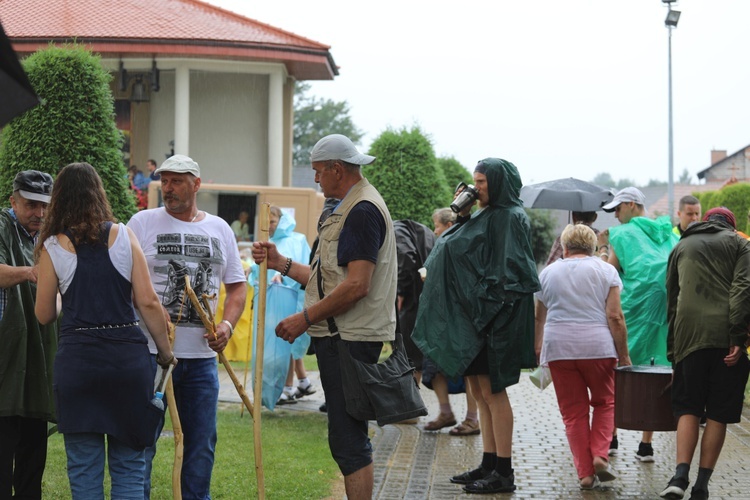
column 673, row 17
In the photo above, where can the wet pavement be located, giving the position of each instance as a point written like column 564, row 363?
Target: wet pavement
column 411, row 463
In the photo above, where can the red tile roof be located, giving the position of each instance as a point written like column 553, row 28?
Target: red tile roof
column 161, row 27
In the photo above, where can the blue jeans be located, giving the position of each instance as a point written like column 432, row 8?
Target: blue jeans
column 347, row 437
column 196, row 391
column 86, row 467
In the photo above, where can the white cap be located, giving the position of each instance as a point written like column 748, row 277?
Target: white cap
column 339, row 147
column 179, row 164
column 625, row 196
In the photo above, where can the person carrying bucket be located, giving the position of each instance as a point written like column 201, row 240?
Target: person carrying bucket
column 639, row 249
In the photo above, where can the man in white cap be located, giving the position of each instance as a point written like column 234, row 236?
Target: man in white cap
column 350, row 295
column 26, row 400
column 639, row 249
column 180, row 240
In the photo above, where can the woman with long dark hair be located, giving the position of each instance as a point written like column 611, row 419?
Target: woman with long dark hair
column 103, row 381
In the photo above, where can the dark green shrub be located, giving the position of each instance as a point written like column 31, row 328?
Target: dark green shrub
column 736, row 197
column 542, row 233
column 74, row 123
column 407, row 175
column 454, row 172
column 707, row 199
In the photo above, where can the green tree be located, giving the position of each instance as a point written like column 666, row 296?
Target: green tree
column 654, row 183
column 604, row 179
column 407, row 175
column 542, row 233
column 315, row 118
column 74, row 123
column 454, row 172
column 736, row 197
column 685, row 177
column 623, row 183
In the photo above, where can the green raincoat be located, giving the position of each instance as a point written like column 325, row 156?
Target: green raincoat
column 481, row 277
column 28, row 348
column 643, row 246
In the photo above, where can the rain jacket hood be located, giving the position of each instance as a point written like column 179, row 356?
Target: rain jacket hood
column 504, row 182
column 477, row 275
column 285, row 228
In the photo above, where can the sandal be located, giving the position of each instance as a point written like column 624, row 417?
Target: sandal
column 471, row 476
column 466, row 428
column 494, row 483
column 595, row 483
column 442, row 420
column 306, row 391
column 602, row 470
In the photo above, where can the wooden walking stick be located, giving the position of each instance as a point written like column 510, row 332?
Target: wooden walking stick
column 176, row 428
column 209, row 325
column 265, row 214
column 211, row 328
column 248, row 354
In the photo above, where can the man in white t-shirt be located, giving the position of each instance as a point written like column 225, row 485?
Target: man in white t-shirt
column 179, row 240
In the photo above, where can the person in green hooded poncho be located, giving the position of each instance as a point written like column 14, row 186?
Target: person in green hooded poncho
column 476, row 312
column 639, row 249
column 28, row 348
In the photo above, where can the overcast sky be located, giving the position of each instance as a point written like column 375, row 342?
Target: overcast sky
column 561, row 88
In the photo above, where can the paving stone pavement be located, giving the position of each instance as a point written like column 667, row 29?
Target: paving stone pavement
column 413, row 464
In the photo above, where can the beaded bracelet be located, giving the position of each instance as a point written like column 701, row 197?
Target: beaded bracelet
column 307, row 318
column 288, row 266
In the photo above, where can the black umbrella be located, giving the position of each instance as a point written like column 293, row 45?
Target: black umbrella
column 569, row 194
column 16, row 93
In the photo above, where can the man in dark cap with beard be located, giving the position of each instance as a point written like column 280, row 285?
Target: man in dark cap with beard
column 26, row 402
column 708, row 308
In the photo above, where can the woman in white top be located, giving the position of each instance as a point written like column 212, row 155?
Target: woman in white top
column 580, row 334
column 103, row 383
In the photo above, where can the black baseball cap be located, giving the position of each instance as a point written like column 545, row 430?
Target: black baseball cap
column 33, row 185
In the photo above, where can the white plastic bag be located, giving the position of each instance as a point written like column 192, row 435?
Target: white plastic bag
column 541, row 377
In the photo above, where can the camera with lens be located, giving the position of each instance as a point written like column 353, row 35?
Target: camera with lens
column 465, row 198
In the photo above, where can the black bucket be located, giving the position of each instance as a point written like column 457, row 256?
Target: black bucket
column 643, row 398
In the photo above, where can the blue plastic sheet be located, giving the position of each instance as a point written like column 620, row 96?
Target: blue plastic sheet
column 281, row 301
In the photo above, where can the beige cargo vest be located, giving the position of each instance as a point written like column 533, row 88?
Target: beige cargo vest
column 373, row 318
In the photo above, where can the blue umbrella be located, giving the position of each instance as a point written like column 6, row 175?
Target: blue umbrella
column 569, row 194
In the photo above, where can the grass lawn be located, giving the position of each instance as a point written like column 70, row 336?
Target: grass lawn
column 296, row 459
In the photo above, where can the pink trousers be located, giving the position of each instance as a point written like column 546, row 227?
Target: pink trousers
column 574, row 380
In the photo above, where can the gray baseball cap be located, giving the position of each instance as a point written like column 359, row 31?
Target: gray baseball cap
column 179, row 164
column 33, row 185
column 339, row 147
column 625, row 196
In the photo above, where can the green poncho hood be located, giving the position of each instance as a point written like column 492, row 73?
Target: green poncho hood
column 477, row 274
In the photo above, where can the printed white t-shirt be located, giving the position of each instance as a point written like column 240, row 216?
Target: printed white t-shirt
column 575, row 293
column 205, row 251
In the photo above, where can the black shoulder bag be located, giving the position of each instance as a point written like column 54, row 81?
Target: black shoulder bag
column 386, row 392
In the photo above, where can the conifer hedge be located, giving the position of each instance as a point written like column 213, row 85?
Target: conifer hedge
column 74, row 123
column 407, row 175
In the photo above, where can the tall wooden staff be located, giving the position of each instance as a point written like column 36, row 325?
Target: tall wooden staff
column 206, row 316
column 265, row 214
column 176, row 428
